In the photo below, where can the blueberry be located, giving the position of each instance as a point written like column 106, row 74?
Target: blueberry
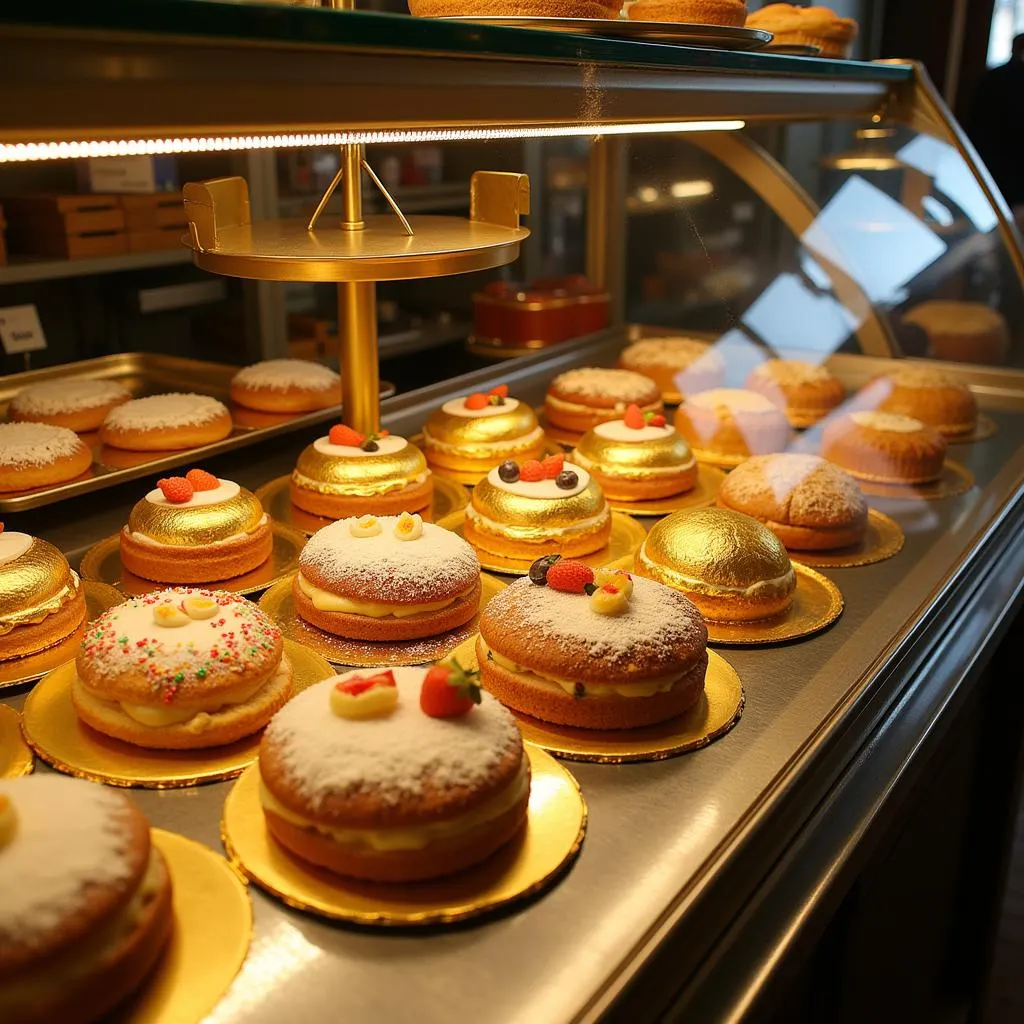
column 567, row 480
column 509, row 471
column 539, row 569
column 370, row 446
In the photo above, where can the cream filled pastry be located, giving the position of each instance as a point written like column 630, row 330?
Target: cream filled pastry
column 679, row 366
column 728, row 425
column 181, row 669
column 386, row 578
column 195, row 529
column 523, row 511
column 805, row 392
column 578, row 400
column 41, row 598
column 395, row 775
column 350, row 474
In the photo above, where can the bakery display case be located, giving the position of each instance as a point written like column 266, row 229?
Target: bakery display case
column 832, row 835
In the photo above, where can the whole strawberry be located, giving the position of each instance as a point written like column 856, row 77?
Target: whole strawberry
column 634, row 418
column 345, row 436
column 531, row 471
column 477, row 400
column 552, row 465
column 176, row 489
column 449, row 690
column 570, row 576
column 201, row 480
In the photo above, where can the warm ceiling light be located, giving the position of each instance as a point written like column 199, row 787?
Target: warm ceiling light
column 18, row 152
column 647, row 194
column 691, row 189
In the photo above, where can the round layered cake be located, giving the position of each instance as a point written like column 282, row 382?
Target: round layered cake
column 730, row 424
column 884, row 447
column 524, row 511
column 394, row 776
column 181, row 669
column 679, row 366
column 195, row 528
column 41, row 598
column 630, row 653
column 387, row 578
column 166, row 423
column 514, row 8
column 807, row 502
column 805, row 392
column 691, row 12
column 792, row 25
column 964, row 332
column 928, row 395
column 80, row 405
column 474, row 434
column 350, row 474
column 637, row 458
column 732, row 567
column 578, row 400
column 286, row 386
column 40, row 455
column 85, row 900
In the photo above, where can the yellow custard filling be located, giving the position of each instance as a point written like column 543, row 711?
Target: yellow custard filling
column 415, row 837
column 326, row 602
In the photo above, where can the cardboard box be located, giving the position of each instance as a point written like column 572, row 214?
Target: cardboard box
column 135, row 174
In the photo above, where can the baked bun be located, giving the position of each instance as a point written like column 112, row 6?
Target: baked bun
column 387, row 578
column 805, row 392
column 555, row 655
column 884, row 447
column 690, row 12
column 930, row 396
column 679, row 366
column 557, row 508
column 578, row 400
column 166, row 423
column 79, row 404
column 513, row 8
column 348, row 474
column 185, row 533
column 807, row 502
column 41, row 598
column 286, row 386
column 729, row 425
column 636, row 461
column 806, row 26
column 964, row 332
column 181, row 669
column 730, row 566
column 398, row 796
column 85, row 900
column 39, row 455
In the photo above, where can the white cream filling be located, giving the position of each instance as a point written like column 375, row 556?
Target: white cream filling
column 13, row 545
column 457, row 407
column 144, row 538
column 619, row 407
column 356, row 490
column 390, row 445
column 754, row 590
column 545, row 489
column 224, row 491
column 616, row 430
column 494, row 446
column 529, row 532
column 637, row 472
column 325, row 601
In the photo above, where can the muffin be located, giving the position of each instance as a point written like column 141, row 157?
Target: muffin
column 80, row 405
column 884, row 447
column 964, row 332
column 39, row 455
column 637, row 458
column 388, row 578
column 729, row 565
column 628, row 654
column 166, row 423
column 195, row 528
column 85, row 900
column 350, row 474
column 578, row 400
column 473, row 434
column 536, row 509
column 808, row 503
column 394, row 776
column 930, row 396
column 41, row 598
column 730, row 424
column 181, row 669
column 806, row 26
column 286, row 386
column 679, row 366
column 805, row 392
column 690, row 12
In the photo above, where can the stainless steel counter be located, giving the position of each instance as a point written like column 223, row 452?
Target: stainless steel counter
column 663, row 836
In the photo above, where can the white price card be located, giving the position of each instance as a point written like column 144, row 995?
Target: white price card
column 20, row 329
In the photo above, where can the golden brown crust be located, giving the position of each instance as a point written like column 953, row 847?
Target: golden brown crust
column 804, row 402
column 882, row 455
column 37, row 636
column 81, row 421
column 291, row 399
column 168, row 438
column 411, row 498
column 691, row 12
column 732, row 432
column 568, row 547
column 513, row 8
column 618, row 489
column 67, row 467
column 816, row 26
column 933, row 398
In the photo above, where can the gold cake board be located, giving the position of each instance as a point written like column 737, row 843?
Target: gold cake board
column 883, row 539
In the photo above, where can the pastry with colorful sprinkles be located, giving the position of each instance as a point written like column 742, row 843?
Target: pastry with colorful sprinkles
column 578, row 400
column 181, row 669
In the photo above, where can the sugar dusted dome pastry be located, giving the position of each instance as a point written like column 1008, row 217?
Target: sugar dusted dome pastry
column 806, row 392
column 884, row 447
column 929, row 395
column 679, row 366
column 286, row 386
column 79, row 404
column 578, row 400
column 730, row 424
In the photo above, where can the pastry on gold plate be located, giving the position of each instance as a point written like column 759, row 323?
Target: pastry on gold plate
column 806, row 501
column 79, row 404
column 806, row 26
column 85, row 900
column 514, row 8
column 963, row 332
column 690, row 12
column 195, row 529
column 627, row 654
column 733, row 568
column 731, row 424
column 286, row 386
column 40, row 455
column 524, row 511
column 386, row 578
column 348, row 473
column 394, row 775
column 679, row 366
column 181, row 669
column 928, row 395
column 637, row 458
column 41, row 598
column 806, row 392
column 578, row 400
column 474, row 434
column 884, row 447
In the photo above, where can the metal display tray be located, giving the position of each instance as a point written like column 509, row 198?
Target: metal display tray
column 144, row 373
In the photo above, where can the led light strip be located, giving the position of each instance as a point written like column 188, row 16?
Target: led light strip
column 20, row 152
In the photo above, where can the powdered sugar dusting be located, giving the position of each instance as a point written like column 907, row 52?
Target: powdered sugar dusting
column 791, row 372
column 595, row 382
column 674, row 353
column 282, row 374
column 36, row 444
column 53, row 398
column 921, row 377
column 162, row 411
column 70, row 835
column 394, row 756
